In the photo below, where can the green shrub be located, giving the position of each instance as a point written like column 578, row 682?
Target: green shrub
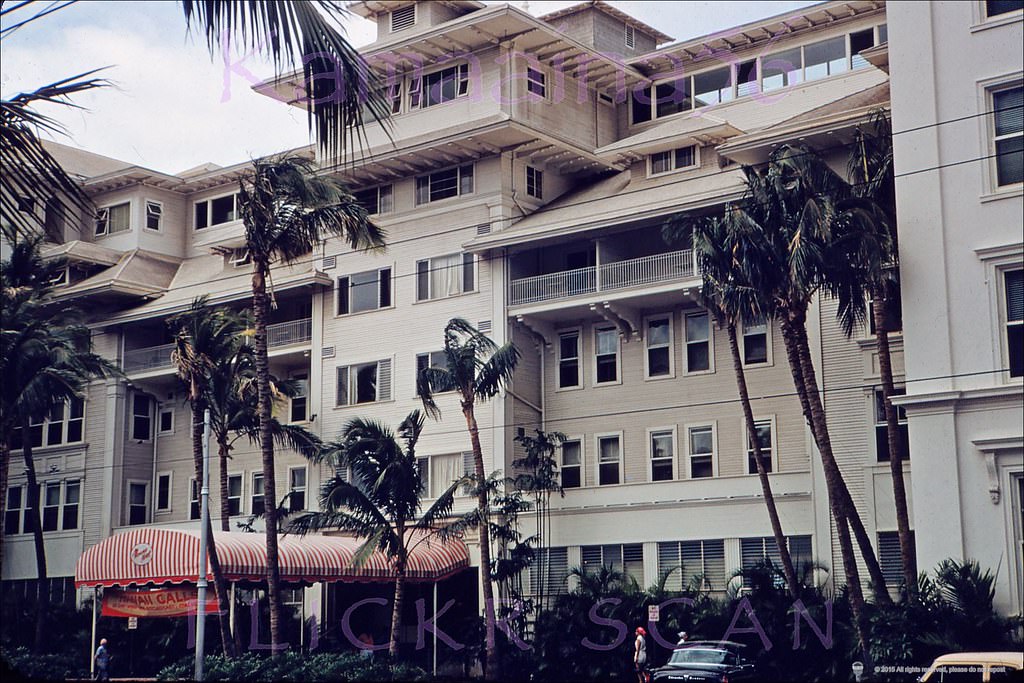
column 294, row 666
column 22, row 664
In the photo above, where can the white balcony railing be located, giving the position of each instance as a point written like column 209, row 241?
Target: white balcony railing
column 159, row 357
column 675, row 265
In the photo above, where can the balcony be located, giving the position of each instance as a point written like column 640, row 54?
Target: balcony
column 155, row 358
column 607, row 277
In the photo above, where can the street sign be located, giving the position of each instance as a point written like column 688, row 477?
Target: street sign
column 133, row 623
column 653, row 613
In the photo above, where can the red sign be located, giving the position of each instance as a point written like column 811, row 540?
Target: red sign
column 162, row 602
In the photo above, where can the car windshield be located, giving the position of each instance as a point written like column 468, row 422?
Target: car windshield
column 693, row 655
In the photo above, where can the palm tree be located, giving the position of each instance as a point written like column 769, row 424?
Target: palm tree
column 287, row 209
column 476, row 369
column 381, row 500
column 341, row 90
column 46, row 360
column 729, row 300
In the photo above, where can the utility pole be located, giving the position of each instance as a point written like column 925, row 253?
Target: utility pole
column 204, row 497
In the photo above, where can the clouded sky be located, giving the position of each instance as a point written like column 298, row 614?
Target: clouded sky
column 174, row 107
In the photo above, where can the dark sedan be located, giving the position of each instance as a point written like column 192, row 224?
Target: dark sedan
column 705, row 661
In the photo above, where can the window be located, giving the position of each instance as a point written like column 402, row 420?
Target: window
column 627, row 558
column 447, row 469
column 165, row 424
column 746, row 78
column 297, row 489
column 451, row 182
column 256, row 502
column 50, row 494
column 163, row 491
column 1008, row 110
column 193, row 499
column 882, row 431
column 754, row 550
column 1013, row 290
column 698, row 342
column 630, row 36
column 142, row 417
column 14, row 513
column 364, row 383
column 434, row 359
column 572, row 464
column 688, row 562
column 403, row 18
column 549, row 571
column 536, row 82
column 673, row 160
column 640, row 106
column 825, row 58
column 154, row 215
column 701, row 442
column 114, row 219
column 72, row 498
column 662, row 454
column 609, row 460
column 234, row 494
column 216, row 211
column 994, row 8
column 569, row 360
column 423, row 468
column 366, row 291
column 672, row 97
column 26, row 204
column 755, row 343
column 63, row 424
column 860, row 41
column 444, row 276
column 439, row 87
column 764, row 440
column 659, row 346
column 606, row 356
column 376, row 199
column 712, row 87
column 781, row 70
column 54, row 218
column 299, row 403
column 137, row 502
column 890, row 557
column 534, row 182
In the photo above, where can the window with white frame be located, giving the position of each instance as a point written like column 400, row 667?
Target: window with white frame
column 63, row 424
column 216, row 211
column 138, row 502
column 434, row 359
column 995, row 8
column 446, row 469
column 1008, row 134
column 606, row 355
column 686, row 563
column 627, row 558
column 366, row 291
column 165, row 421
column 549, row 571
column 700, row 441
column 1013, row 314
column 72, row 502
column 659, row 346
column 439, row 87
column 154, row 215
column 444, row 276
column 764, row 440
column 256, row 503
column 296, row 489
column 673, row 160
column 298, row 408
column 609, row 459
column 571, row 465
column 403, row 18
column 535, row 182
column 536, row 82
column 193, row 498
column 451, row 182
column 712, row 87
column 234, row 494
column 761, row 548
column 569, row 360
column 14, row 513
column 142, row 417
column 882, row 428
column 163, row 491
column 376, row 200
column 663, row 454
column 113, row 219
column 364, row 383
column 49, row 498
column 698, row 342
column 755, row 342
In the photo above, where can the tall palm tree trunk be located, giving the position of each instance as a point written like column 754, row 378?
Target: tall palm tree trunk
column 492, row 668
column 896, row 454
column 225, row 504
column 396, row 613
column 762, row 474
column 198, row 427
column 261, row 307
column 33, row 520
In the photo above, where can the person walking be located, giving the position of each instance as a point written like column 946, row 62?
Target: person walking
column 102, row 660
column 640, row 655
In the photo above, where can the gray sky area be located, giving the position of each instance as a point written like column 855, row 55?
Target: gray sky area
column 175, row 107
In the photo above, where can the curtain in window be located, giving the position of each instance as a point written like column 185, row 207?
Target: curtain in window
column 444, row 469
column 446, row 275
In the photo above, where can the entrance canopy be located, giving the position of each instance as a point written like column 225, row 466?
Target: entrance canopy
column 160, row 556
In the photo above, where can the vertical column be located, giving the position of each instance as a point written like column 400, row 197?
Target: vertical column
column 113, row 456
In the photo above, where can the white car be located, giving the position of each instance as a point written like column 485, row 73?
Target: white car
column 979, row 667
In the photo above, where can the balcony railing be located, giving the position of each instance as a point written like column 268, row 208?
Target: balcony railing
column 675, row 265
column 159, row 357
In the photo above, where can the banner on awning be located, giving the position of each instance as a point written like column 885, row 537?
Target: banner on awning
column 163, row 602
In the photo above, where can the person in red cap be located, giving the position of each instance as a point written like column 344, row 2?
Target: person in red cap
column 640, row 655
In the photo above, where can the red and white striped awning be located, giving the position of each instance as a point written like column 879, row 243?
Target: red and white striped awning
column 158, row 556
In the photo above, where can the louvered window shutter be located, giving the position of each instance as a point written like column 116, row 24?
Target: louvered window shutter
column 342, row 399
column 384, row 380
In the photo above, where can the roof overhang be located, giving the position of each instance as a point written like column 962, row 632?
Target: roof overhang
column 77, row 251
column 704, row 130
column 602, row 6
column 877, row 56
